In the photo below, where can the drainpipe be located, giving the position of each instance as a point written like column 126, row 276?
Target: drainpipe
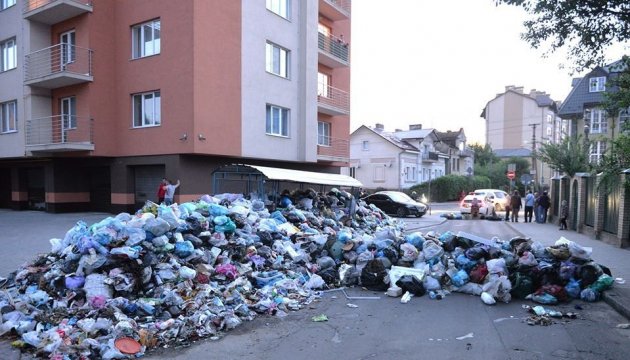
column 400, row 171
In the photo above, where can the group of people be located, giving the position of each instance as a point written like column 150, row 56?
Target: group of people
column 166, row 191
column 535, row 206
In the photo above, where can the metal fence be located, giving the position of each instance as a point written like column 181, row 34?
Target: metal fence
column 611, row 208
column 333, row 46
column 58, row 58
column 30, row 5
column 60, row 129
column 591, row 198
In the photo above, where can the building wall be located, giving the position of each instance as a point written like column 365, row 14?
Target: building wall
column 376, row 167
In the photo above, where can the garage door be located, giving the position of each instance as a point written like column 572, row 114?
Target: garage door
column 147, row 180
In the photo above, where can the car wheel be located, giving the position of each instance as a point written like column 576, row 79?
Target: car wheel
column 419, row 215
column 401, row 212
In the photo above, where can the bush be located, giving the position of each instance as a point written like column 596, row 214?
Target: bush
column 449, row 187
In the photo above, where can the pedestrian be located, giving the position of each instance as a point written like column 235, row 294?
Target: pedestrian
column 170, row 192
column 161, row 191
column 529, row 206
column 515, row 203
column 536, row 212
column 564, row 214
column 508, row 207
column 543, row 205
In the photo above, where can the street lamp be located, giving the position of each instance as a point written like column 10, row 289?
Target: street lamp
column 586, row 146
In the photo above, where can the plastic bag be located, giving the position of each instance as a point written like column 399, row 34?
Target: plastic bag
column 373, row 276
column 487, row 298
column 527, row 259
column 567, row 270
column 465, row 263
column 411, row 284
column 522, row 285
column 315, row 282
column 416, row 239
column 470, row 288
column 589, row 295
column 556, row 290
column 496, row 266
column 431, row 283
column 544, row 298
column 157, row 226
column 479, row 273
column 604, row 282
column 431, row 250
column 134, row 235
column 224, row 224
column 184, row 249
column 573, row 289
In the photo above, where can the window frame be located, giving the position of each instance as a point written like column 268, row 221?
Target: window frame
column 599, row 83
column 5, row 4
column 598, row 117
column 277, row 7
column 283, row 54
column 68, row 112
column 4, row 63
column 68, row 47
column 365, row 145
column 323, row 133
column 283, row 125
column 4, row 119
column 157, row 115
column 138, row 49
column 323, row 84
column 596, row 151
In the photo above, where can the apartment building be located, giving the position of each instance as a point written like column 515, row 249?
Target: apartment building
column 517, row 122
column 101, row 99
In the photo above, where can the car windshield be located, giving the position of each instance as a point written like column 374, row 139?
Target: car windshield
column 400, row 197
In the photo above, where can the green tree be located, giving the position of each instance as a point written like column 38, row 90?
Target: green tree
column 568, row 157
column 483, row 154
column 585, row 28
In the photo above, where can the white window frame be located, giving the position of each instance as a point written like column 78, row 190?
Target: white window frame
column 8, row 117
column 410, row 173
column 277, row 121
column 139, row 33
column 549, row 118
column 277, row 60
column 365, row 145
column 5, row 4
column 597, row 84
column 68, row 110
column 68, row 45
column 598, row 121
column 323, row 133
column 323, row 85
column 281, row 8
column 379, row 173
column 150, row 109
column 597, row 150
column 8, row 60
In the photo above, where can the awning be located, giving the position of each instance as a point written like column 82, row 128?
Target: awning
column 309, row 177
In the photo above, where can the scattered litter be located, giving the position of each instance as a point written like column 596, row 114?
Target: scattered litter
column 320, row 318
column 354, row 306
column 623, row 326
column 469, row 335
column 620, row 281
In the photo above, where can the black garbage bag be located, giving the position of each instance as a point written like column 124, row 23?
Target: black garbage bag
column 373, row 276
column 476, row 253
column 412, row 284
column 265, row 237
column 391, row 253
column 522, row 285
column 329, row 275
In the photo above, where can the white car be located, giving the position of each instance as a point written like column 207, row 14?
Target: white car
column 498, row 198
column 485, row 206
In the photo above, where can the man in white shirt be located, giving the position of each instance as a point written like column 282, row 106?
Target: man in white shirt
column 170, row 192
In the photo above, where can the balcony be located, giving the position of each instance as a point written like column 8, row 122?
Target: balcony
column 60, row 133
column 335, row 9
column 333, row 52
column 54, row 11
column 430, row 157
column 333, row 149
column 332, row 101
column 58, row 66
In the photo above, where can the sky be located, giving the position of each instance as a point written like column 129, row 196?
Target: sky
column 438, row 63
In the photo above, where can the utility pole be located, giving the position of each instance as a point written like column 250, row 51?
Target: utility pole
column 534, row 165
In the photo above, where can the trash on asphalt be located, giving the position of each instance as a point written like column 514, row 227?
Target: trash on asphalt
column 169, row 275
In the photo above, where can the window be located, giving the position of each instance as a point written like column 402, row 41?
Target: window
column 323, row 29
column 353, row 172
column 549, row 118
column 6, row 4
column 68, row 42
column 323, row 83
column 323, row 133
column 366, row 145
column 69, row 112
column 597, row 84
column 277, row 60
column 8, row 116
column 279, row 7
column 549, row 131
column 379, row 173
column 277, row 121
column 9, row 55
column 598, row 148
column 410, row 173
column 598, row 121
column 146, row 39
column 146, row 109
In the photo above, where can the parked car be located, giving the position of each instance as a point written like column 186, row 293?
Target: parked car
column 498, row 198
column 485, row 206
column 396, row 203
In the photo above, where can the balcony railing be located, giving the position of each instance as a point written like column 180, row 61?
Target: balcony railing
column 57, row 66
column 333, row 149
column 333, row 51
column 335, row 9
column 60, row 133
column 54, row 11
column 332, row 101
column 430, row 156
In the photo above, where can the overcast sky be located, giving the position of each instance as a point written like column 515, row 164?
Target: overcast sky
column 438, row 63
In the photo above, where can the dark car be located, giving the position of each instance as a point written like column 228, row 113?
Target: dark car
column 396, row 203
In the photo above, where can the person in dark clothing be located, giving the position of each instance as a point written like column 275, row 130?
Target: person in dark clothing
column 564, row 214
column 508, row 207
column 515, row 203
column 543, row 205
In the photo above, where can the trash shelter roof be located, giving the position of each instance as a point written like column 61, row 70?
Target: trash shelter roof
column 310, row 177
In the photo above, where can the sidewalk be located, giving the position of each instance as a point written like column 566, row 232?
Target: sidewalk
column 617, row 259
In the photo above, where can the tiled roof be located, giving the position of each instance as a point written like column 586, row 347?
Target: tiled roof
column 390, row 137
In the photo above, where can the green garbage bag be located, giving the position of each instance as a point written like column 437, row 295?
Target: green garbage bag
column 604, row 282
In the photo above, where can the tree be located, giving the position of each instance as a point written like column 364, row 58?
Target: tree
column 585, row 27
column 568, row 157
column 483, row 154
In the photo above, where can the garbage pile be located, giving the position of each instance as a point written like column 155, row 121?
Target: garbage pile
column 169, row 275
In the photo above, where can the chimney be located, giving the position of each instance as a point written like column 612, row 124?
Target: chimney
column 415, row 127
column 379, row 127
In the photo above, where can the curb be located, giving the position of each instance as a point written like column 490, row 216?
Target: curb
column 426, row 226
column 617, row 301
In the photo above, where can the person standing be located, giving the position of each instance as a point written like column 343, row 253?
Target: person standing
column 170, row 192
column 564, row 214
column 161, row 191
column 529, row 206
column 543, row 205
column 536, row 212
column 515, row 203
column 508, row 207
